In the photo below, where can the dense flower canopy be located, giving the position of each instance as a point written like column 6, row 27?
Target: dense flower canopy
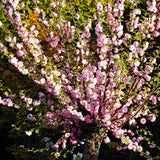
column 101, row 67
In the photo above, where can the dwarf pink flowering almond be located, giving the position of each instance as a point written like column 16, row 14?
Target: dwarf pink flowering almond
column 99, row 70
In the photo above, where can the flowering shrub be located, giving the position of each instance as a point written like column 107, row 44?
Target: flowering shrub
column 98, row 67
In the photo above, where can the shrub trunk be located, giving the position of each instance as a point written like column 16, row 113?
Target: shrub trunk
column 92, row 146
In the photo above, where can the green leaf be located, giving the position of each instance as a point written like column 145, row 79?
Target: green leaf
column 37, row 131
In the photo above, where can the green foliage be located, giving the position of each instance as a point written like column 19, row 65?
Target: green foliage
column 20, row 84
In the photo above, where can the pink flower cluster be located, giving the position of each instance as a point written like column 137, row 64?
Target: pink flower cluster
column 104, row 86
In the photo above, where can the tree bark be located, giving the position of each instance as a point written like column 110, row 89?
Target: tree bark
column 92, row 146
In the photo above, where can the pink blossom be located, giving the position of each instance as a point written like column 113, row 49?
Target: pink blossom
column 126, row 79
column 116, row 50
column 92, row 68
column 2, row 47
column 35, row 103
column 55, row 146
column 104, row 111
column 7, row 101
column 136, row 72
column 56, row 58
column 99, row 6
column 53, row 5
column 155, row 33
column 132, row 48
column 138, row 97
column 130, row 132
column 104, row 49
column 136, row 12
column 148, row 69
column 137, row 63
column 117, row 105
column 77, row 16
column 147, row 77
column 154, row 99
column 111, row 74
column 42, row 81
column 13, row 60
column 99, row 28
column 84, row 61
column 145, row 133
column 28, row 100
column 143, row 120
column 50, row 102
column 94, row 16
column 145, row 112
column 67, row 135
column 64, row 144
column 57, row 89
column 37, row 10
column 54, row 43
column 28, row 133
column 152, row 146
column 106, row 140
column 140, row 139
column 102, row 64
column 106, row 117
column 73, row 141
column 70, row 75
column 30, row 117
column 54, row 14
column 152, row 6
column 130, row 146
column 4, row 1
column 142, row 81
column 151, row 117
column 119, row 148
column 125, row 147
column 16, row 106
column 147, row 152
column 46, row 139
column 124, row 109
column 41, row 95
column 132, row 122
column 47, row 39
